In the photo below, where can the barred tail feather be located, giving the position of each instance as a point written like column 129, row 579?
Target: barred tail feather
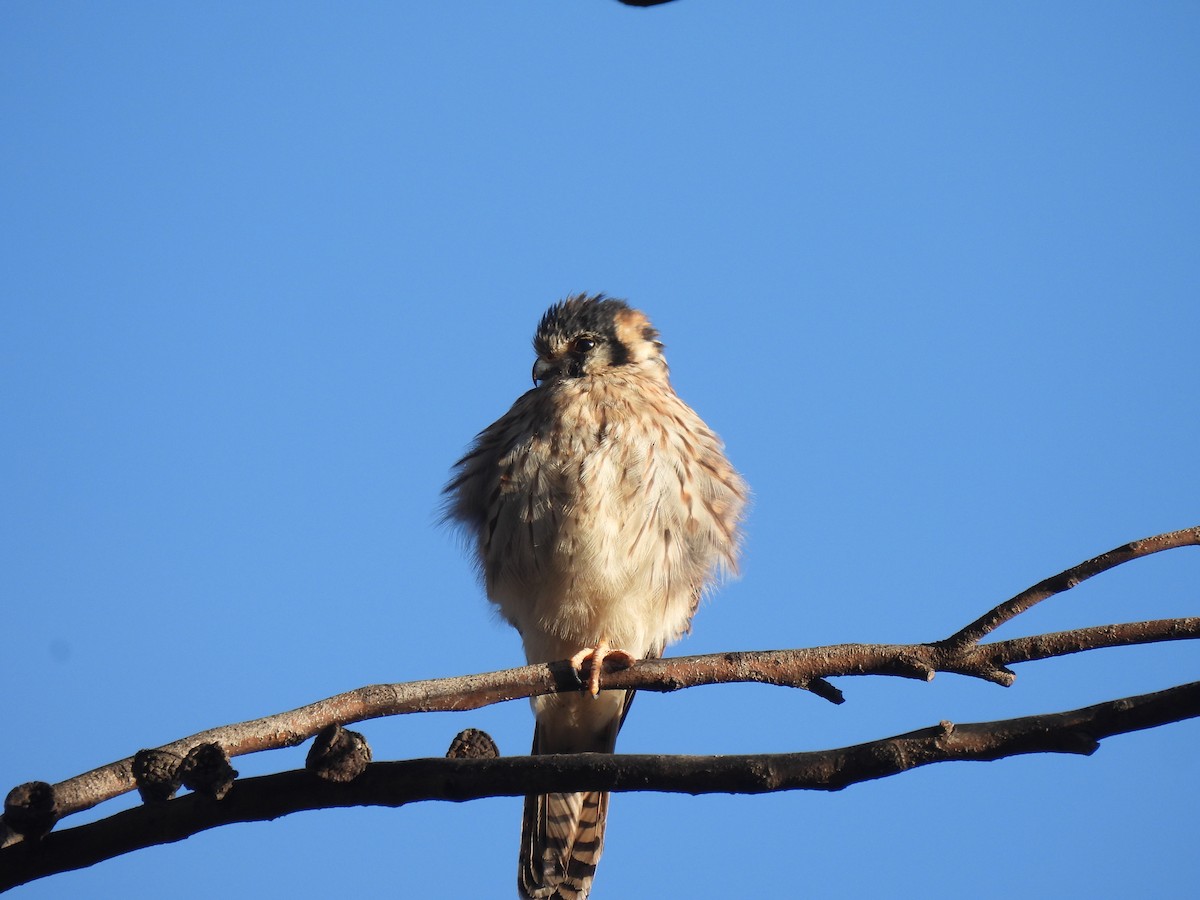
column 561, row 842
column 562, row 835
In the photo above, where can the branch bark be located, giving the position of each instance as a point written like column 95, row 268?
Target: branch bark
column 267, row 797
column 808, row 669
column 802, row 668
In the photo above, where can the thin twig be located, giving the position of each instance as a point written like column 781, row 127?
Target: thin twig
column 1064, row 581
column 1064, row 643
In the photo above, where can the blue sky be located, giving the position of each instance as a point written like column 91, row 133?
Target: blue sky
column 930, row 269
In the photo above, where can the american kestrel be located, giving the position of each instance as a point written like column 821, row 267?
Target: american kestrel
column 600, row 508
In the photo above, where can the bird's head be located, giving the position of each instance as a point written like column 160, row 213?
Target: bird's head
column 591, row 335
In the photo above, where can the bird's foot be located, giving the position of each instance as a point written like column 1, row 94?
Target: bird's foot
column 591, row 661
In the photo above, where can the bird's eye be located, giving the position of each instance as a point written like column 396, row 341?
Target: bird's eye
column 582, row 345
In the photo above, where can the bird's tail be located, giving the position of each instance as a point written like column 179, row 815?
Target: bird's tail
column 561, row 842
column 562, row 835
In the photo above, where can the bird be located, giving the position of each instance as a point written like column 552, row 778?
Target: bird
column 599, row 510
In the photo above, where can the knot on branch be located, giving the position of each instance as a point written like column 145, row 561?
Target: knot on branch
column 1079, row 742
column 975, row 663
column 471, row 743
column 338, row 755
column 912, row 665
column 1001, row 675
column 968, row 659
column 206, row 770
column 156, row 773
column 826, row 691
column 31, row 809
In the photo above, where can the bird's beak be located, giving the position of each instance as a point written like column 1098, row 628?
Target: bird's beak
column 541, row 368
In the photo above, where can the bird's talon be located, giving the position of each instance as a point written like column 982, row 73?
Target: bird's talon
column 596, row 659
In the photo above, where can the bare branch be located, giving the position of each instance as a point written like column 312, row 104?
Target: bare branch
column 791, row 668
column 398, row 783
column 802, row 668
column 806, row 668
column 1064, row 643
column 1064, row 581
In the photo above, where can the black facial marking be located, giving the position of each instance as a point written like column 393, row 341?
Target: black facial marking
column 582, row 323
column 576, row 316
column 618, row 353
